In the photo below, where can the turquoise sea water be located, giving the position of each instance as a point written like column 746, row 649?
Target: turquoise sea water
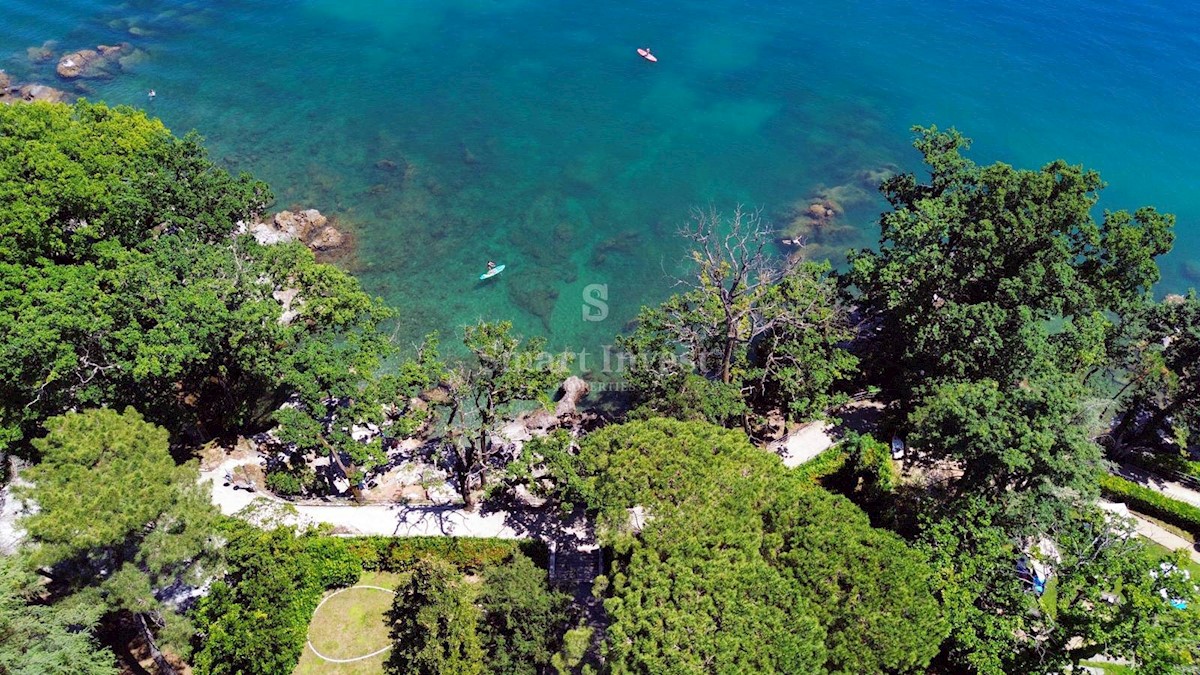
column 446, row 133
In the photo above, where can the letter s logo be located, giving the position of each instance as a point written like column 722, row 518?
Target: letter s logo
column 594, row 296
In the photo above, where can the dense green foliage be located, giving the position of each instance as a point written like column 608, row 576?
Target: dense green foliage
column 750, row 336
column 522, row 619
column 1161, row 348
column 1152, row 503
column 507, row 620
column 1105, row 596
column 506, row 372
column 121, row 282
column 435, row 624
column 973, row 264
column 39, row 638
column 255, row 620
column 993, row 298
column 744, row 564
column 1021, row 445
column 118, row 515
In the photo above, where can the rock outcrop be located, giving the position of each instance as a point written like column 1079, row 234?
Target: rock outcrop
column 41, row 54
column 308, row 227
column 573, row 389
column 91, row 62
column 32, row 92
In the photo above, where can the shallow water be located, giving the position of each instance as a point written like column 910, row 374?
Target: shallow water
column 446, row 134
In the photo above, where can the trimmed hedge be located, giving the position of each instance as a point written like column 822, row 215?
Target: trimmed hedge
column 392, row 554
column 1152, row 503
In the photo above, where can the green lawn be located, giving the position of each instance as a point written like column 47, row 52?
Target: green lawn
column 1157, row 550
column 351, row 623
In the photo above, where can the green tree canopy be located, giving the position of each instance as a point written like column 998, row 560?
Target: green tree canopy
column 522, row 620
column 726, row 526
column 435, row 624
column 752, row 333
column 39, row 638
column 75, row 177
column 1161, row 349
column 117, row 513
column 506, row 371
column 122, row 283
column 974, row 263
column 1104, row 594
column 1023, row 446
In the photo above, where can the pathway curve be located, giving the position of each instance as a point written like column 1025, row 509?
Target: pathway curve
column 1159, row 535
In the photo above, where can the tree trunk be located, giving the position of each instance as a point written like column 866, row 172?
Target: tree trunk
column 336, row 457
column 727, row 358
column 160, row 661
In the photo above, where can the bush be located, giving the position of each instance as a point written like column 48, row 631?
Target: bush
column 823, row 465
column 1151, row 503
column 284, row 484
column 522, row 618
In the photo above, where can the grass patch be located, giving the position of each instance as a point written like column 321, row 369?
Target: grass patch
column 1049, row 599
column 351, row 623
column 1156, row 551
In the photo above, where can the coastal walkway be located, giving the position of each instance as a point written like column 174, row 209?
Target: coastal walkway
column 390, row 520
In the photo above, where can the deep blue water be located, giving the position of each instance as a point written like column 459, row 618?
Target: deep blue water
column 531, row 134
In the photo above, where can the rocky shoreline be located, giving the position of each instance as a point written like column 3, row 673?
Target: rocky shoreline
column 11, row 92
column 102, row 62
column 308, row 227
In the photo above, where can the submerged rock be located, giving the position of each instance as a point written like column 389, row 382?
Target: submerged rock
column 41, row 54
column 91, row 62
column 40, row 92
column 1190, row 271
column 72, row 65
column 327, row 239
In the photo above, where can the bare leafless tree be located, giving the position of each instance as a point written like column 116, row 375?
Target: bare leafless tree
column 735, row 269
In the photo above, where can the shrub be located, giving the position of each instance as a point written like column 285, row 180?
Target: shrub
column 1152, row 503
column 284, row 484
column 825, row 464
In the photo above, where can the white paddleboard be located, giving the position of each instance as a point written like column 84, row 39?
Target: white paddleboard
column 492, row 272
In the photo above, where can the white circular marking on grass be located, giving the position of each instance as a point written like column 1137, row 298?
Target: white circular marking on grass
column 357, row 658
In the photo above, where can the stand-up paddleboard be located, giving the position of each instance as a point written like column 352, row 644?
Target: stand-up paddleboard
column 645, row 54
column 492, row 272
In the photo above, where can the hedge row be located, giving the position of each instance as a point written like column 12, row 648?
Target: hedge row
column 392, row 554
column 1152, row 503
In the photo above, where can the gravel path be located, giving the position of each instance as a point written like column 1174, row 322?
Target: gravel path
column 382, row 519
column 804, row 443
